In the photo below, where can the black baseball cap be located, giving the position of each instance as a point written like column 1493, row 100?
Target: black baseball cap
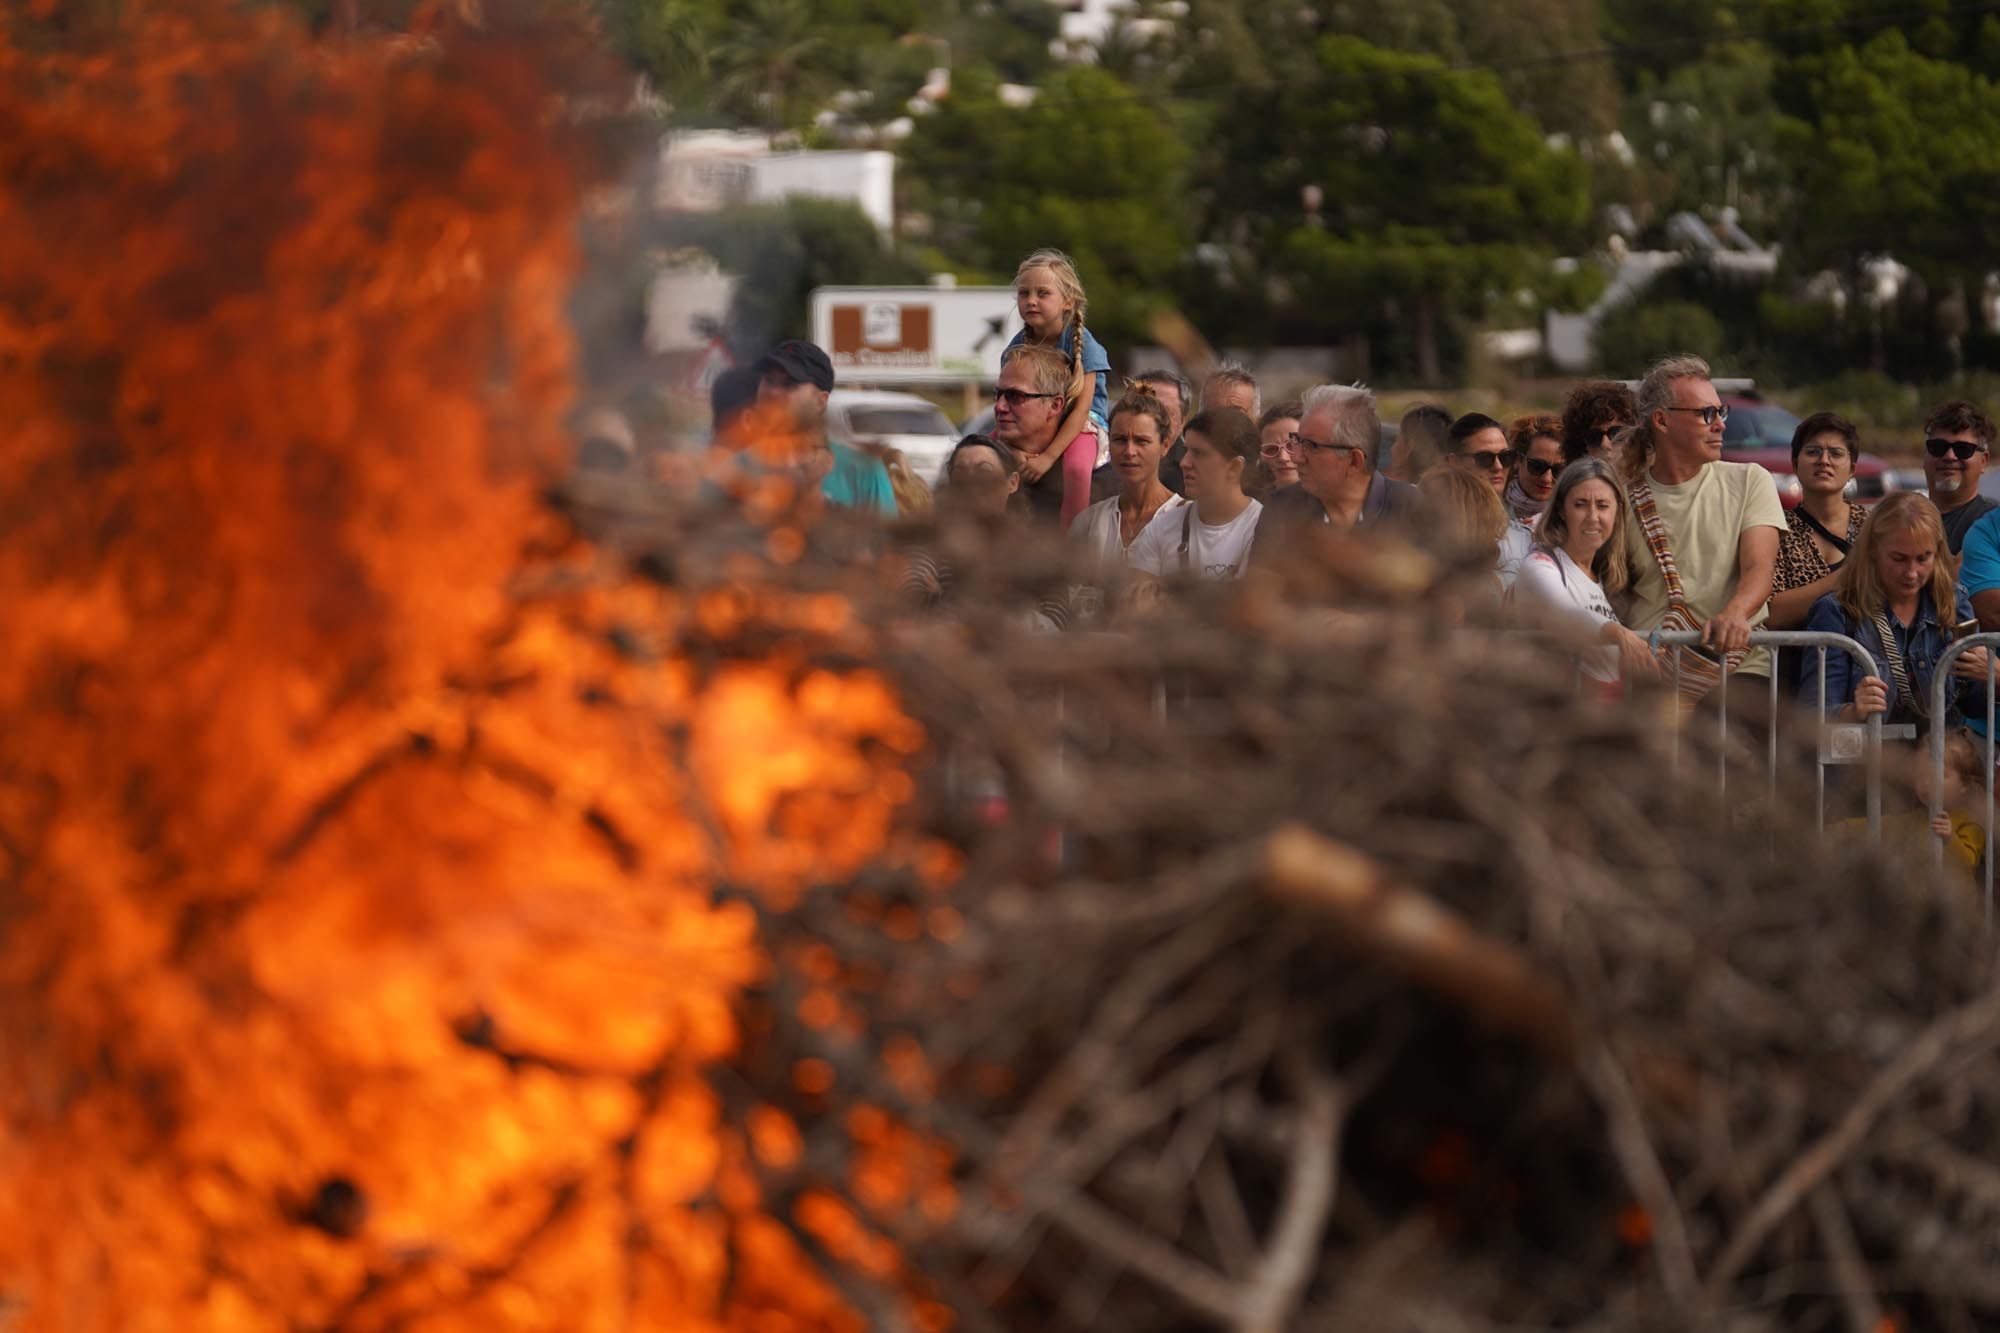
column 802, row 360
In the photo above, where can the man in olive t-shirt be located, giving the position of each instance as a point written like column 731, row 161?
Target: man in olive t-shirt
column 1722, row 519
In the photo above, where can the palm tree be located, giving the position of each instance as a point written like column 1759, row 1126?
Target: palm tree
column 767, row 55
column 672, row 39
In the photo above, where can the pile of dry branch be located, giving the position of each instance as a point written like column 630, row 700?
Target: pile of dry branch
column 1341, row 970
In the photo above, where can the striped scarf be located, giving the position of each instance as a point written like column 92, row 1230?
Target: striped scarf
column 1523, row 509
column 1693, row 669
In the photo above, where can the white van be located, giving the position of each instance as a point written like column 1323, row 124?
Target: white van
column 901, row 421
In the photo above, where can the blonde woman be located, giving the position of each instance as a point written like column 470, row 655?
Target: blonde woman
column 1897, row 597
column 1464, row 509
column 1578, row 563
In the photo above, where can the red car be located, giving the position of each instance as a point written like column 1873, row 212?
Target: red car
column 1759, row 431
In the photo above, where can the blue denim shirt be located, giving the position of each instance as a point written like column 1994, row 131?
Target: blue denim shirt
column 1922, row 644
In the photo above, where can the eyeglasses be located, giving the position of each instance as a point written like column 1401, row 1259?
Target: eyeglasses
column 1015, row 397
column 1598, row 438
column 1709, row 415
column 1491, row 459
column 1541, row 467
column 1275, row 449
column 1959, row 449
column 1301, row 442
column 1816, row 454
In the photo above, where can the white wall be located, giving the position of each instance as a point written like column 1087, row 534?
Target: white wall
column 680, row 299
column 867, row 178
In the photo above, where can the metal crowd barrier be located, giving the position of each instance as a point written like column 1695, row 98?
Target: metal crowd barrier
column 1941, row 682
column 1838, row 742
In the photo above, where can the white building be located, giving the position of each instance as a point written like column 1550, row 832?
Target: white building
column 705, row 170
column 1086, row 23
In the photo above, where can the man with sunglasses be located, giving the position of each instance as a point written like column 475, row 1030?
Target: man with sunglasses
column 1719, row 522
column 1028, row 407
column 1957, row 438
column 1950, row 429
column 1338, row 484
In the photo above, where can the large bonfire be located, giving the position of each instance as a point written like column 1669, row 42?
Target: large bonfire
column 424, row 906
column 359, row 960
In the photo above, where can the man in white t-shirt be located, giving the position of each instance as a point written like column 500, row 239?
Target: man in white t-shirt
column 1721, row 519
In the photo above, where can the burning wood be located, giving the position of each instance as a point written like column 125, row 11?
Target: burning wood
column 416, row 918
column 361, row 952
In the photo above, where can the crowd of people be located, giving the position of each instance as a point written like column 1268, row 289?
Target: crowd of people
column 1615, row 518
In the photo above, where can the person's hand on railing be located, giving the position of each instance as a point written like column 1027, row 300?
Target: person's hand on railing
column 1727, row 632
column 1871, row 696
column 1941, row 825
column 1971, row 664
column 1636, row 659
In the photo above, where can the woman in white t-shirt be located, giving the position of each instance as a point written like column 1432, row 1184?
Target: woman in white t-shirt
column 1210, row 538
column 1139, row 433
column 1578, row 562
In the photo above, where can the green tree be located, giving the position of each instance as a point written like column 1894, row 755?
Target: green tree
column 1437, row 194
column 1899, row 151
column 1087, row 167
column 1709, row 133
column 768, row 58
column 1526, row 42
column 1639, row 333
column 782, row 251
column 672, row 39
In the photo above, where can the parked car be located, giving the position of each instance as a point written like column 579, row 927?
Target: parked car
column 1913, row 479
column 879, row 420
column 1759, row 431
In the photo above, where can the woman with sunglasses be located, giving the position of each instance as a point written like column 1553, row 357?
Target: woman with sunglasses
column 1823, row 529
column 1536, row 443
column 1538, row 457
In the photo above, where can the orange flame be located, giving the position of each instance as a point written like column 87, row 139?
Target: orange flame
column 358, row 959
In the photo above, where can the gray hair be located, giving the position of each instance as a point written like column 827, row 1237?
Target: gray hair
column 1655, row 394
column 1656, row 391
column 1233, row 372
column 1355, row 421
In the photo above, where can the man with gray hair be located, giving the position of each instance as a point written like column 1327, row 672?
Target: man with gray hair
column 1715, row 524
column 1338, row 483
column 1230, row 385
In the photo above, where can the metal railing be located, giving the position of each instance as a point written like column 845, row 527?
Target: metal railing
column 1838, row 744
column 1941, row 683
column 1837, row 741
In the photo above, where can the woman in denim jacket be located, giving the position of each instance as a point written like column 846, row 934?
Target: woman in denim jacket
column 1897, row 597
